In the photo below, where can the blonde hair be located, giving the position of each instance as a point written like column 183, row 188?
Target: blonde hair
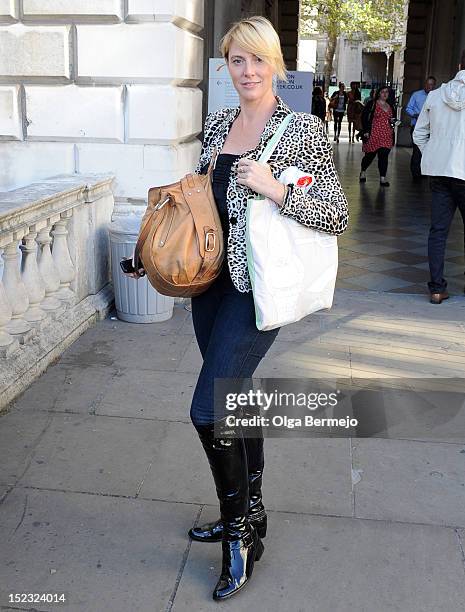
column 258, row 36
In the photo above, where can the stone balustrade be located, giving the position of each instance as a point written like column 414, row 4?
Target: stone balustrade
column 56, row 273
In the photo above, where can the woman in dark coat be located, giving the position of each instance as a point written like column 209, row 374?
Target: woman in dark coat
column 319, row 104
column 338, row 105
column 353, row 95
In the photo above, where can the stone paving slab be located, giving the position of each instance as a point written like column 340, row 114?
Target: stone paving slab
column 124, row 345
column 404, row 480
column 417, row 357
column 413, row 307
column 361, row 333
column 179, row 469
column 94, row 454
column 149, row 394
column 309, row 475
column 147, row 352
column 19, row 435
column 294, row 360
column 65, row 388
column 104, row 553
column 191, row 361
column 322, row 564
column 403, row 366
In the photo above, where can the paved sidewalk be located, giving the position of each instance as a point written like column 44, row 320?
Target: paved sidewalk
column 102, row 474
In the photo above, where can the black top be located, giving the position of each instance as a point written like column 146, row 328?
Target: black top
column 220, row 182
column 319, row 107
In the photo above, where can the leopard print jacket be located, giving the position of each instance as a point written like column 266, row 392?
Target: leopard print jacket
column 304, row 144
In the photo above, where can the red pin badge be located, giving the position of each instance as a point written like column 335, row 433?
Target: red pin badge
column 305, row 181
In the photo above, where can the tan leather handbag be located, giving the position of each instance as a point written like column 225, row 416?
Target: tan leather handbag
column 180, row 242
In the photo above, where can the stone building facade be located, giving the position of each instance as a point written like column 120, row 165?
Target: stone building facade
column 107, row 86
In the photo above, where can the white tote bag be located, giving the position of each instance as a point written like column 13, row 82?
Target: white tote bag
column 292, row 268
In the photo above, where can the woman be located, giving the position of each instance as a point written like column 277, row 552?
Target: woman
column 224, row 315
column 319, row 104
column 338, row 105
column 353, row 96
column 378, row 119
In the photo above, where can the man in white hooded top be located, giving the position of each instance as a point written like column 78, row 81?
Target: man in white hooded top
column 440, row 135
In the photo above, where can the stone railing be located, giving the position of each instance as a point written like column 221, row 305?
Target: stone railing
column 55, row 282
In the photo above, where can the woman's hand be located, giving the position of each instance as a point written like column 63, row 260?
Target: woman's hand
column 128, row 270
column 134, row 275
column 259, row 178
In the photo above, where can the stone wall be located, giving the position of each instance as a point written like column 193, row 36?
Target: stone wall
column 100, row 86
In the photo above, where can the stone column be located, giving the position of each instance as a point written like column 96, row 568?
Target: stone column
column 62, row 257
column 31, row 277
column 48, row 271
column 7, row 342
column 15, row 289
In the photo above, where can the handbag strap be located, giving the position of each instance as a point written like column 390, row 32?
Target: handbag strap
column 273, row 142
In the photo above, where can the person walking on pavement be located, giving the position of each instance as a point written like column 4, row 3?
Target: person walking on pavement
column 378, row 119
column 353, row 95
column 440, row 135
column 319, row 104
column 413, row 109
column 338, row 105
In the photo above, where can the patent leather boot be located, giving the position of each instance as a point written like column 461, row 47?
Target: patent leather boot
column 212, row 532
column 241, row 545
column 255, row 464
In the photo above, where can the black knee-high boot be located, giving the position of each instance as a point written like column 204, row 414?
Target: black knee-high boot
column 255, row 464
column 241, row 544
column 212, row 532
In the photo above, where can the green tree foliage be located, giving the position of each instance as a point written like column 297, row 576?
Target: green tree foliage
column 372, row 19
column 368, row 20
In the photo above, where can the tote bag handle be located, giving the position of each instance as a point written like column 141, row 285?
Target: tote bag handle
column 273, row 142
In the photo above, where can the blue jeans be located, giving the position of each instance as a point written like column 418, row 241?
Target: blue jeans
column 448, row 195
column 228, row 338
